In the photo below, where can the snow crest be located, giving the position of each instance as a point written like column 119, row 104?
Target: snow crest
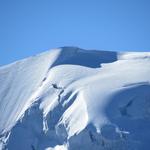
column 74, row 99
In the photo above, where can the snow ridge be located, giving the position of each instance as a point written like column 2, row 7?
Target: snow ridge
column 71, row 99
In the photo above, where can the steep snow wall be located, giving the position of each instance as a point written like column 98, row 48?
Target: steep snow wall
column 71, row 99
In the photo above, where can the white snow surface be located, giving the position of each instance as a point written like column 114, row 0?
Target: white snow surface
column 74, row 99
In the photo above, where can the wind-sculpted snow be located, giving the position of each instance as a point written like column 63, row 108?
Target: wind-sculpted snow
column 74, row 99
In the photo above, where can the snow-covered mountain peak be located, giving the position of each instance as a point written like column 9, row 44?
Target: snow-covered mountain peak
column 70, row 99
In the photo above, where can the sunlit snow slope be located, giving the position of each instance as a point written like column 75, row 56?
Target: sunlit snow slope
column 74, row 99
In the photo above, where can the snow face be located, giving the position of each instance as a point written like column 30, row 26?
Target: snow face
column 72, row 99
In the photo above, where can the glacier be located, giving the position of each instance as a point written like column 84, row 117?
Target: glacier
column 74, row 99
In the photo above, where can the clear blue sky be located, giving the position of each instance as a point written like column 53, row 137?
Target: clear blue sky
column 28, row 27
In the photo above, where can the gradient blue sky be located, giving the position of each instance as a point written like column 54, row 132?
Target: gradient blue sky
column 28, row 27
